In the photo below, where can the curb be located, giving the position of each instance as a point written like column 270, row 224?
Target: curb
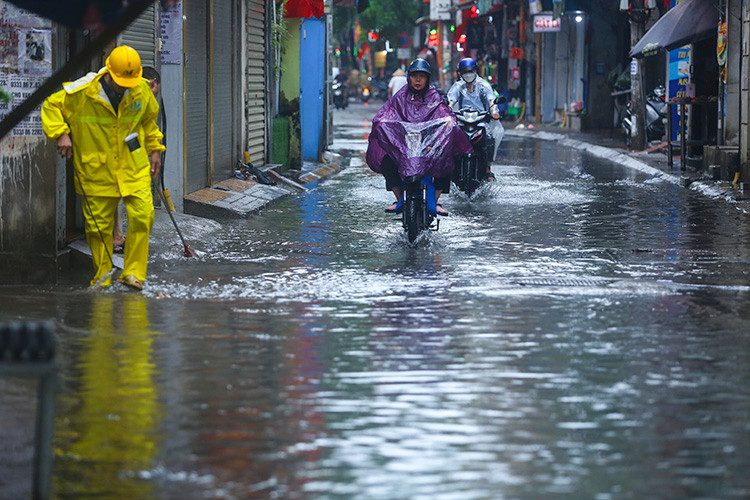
column 330, row 165
column 704, row 186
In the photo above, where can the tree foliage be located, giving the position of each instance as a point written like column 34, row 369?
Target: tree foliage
column 391, row 17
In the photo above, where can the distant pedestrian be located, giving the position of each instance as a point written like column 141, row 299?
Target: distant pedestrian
column 398, row 80
column 106, row 122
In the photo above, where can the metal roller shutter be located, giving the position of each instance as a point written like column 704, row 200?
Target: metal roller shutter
column 142, row 36
column 255, row 105
column 224, row 81
column 196, row 94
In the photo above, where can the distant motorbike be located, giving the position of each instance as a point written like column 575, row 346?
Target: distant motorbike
column 340, row 100
column 655, row 116
column 365, row 94
column 379, row 89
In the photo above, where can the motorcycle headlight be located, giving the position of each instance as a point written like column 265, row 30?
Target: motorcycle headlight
column 471, row 116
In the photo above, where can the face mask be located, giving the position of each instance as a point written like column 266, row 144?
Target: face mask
column 469, row 76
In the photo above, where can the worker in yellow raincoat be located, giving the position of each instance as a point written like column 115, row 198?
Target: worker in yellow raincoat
column 106, row 122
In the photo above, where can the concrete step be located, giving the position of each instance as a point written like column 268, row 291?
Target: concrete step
column 232, row 198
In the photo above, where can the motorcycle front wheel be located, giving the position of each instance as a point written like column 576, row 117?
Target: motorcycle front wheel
column 412, row 215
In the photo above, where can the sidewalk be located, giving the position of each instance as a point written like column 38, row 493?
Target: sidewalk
column 238, row 198
column 610, row 145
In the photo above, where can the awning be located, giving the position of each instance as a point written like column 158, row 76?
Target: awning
column 690, row 21
column 304, row 8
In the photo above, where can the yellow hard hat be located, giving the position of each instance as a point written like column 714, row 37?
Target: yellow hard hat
column 124, row 65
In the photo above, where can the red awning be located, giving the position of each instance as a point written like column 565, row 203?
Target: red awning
column 304, row 8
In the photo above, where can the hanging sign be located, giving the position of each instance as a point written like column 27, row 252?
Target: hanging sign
column 403, row 53
column 544, row 23
column 440, row 10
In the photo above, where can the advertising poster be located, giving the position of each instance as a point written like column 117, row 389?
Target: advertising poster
column 35, row 52
column 171, row 35
column 21, row 87
column 8, row 49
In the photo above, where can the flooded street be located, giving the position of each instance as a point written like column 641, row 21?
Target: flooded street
column 577, row 330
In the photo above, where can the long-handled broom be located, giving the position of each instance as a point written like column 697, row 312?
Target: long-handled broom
column 169, row 207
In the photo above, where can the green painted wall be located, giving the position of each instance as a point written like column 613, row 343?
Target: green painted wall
column 290, row 63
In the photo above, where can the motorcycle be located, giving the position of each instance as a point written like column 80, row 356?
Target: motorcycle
column 340, row 100
column 471, row 168
column 655, row 116
column 417, row 206
column 379, row 89
column 365, row 96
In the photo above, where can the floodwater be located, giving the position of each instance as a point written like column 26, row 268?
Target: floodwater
column 576, row 331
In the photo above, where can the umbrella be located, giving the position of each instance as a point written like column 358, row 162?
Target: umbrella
column 304, row 8
column 690, row 21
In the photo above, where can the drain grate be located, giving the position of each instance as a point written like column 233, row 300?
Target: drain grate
column 572, row 282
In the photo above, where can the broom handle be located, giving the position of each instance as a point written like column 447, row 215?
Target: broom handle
column 164, row 200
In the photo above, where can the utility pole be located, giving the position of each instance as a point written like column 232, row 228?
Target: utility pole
column 637, row 103
column 638, row 11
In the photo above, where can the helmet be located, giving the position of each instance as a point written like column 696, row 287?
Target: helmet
column 124, row 65
column 419, row 64
column 467, row 64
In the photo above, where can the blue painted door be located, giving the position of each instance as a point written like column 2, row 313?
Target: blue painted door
column 312, row 56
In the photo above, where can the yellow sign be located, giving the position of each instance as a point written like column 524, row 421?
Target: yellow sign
column 380, row 59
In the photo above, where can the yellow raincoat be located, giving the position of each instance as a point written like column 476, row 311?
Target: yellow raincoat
column 105, row 167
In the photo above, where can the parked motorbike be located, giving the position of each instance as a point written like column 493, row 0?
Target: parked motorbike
column 379, row 89
column 656, row 116
column 340, row 100
column 471, row 168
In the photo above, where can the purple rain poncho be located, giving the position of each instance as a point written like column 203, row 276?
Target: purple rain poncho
column 419, row 134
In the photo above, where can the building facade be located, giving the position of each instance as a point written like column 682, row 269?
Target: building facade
column 214, row 58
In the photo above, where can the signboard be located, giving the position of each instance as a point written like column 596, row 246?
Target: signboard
column 543, row 23
column 403, row 53
column 403, row 41
column 171, row 35
column 679, row 77
column 440, row 10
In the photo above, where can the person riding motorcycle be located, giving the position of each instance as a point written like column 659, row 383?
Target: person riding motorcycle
column 474, row 92
column 416, row 133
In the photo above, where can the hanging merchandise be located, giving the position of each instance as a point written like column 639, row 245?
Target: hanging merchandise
column 721, row 44
column 514, row 74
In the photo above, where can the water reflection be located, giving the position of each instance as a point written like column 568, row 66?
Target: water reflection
column 575, row 332
column 107, row 428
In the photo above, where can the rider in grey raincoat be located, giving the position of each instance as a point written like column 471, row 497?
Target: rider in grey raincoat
column 474, row 92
